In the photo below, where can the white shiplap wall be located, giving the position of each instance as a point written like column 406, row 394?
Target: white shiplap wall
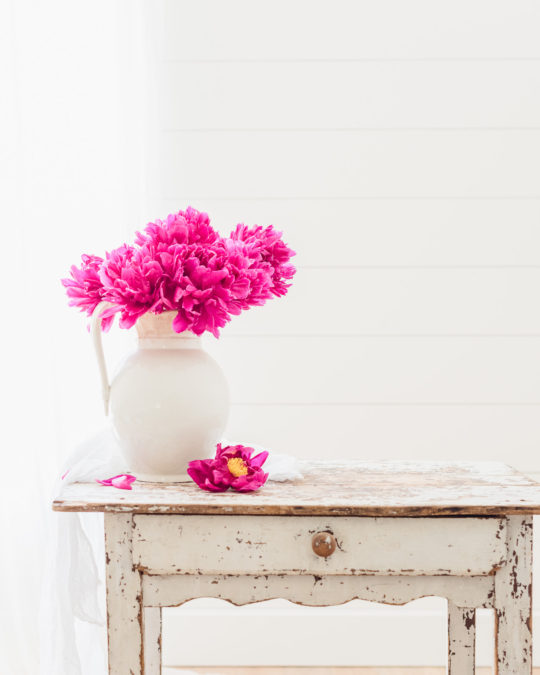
column 397, row 144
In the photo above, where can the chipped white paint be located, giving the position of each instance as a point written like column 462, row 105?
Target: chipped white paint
column 461, row 639
column 124, row 599
column 513, row 601
column 316, row 591
column 338, row 488
column 224, row 549
column 283, row 545
column 152, row 640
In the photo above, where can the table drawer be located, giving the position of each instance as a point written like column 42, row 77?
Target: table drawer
column 284, row 545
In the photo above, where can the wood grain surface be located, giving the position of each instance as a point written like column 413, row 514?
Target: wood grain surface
column 346, row 488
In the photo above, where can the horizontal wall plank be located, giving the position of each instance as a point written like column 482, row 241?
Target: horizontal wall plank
column 387, row 232
column 379, row 370
column 400, row 301
column 372, row 94
column 509, row 434
column 307, row 29
column 350, row 164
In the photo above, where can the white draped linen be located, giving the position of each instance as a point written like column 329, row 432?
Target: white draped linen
column 74, row 121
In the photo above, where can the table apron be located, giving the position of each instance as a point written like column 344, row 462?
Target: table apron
column 318, row 591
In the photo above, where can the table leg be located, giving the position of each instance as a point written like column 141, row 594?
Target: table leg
column 461, row 639
column 152, row 640
column 513, row 602
column 124, row 598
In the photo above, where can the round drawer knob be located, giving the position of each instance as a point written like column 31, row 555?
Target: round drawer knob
column 323, row 544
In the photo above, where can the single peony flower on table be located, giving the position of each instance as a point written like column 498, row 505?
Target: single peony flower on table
column 234, row 466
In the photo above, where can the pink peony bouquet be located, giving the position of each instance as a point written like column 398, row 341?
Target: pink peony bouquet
column 182, row 264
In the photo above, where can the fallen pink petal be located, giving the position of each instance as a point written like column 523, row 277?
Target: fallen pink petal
column 123, row 481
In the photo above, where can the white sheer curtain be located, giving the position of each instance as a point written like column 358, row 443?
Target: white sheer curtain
column 74, row 135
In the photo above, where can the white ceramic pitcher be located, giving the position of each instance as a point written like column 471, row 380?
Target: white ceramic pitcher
column 168, row 402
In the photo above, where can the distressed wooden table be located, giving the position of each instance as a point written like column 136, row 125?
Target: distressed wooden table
column 388, row 532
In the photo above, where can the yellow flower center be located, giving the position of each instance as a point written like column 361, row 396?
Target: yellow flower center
column 237, row 467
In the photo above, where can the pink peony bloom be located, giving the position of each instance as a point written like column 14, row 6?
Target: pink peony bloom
column 84, row 288
column 130, row 280
column 181, row 264
column 232, row 467
column 267, row 248
column 123, row 481
column 185, row 227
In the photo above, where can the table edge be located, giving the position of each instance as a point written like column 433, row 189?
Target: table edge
column 302, row 510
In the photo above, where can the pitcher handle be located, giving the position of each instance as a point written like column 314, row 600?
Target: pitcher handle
column 95, row 334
